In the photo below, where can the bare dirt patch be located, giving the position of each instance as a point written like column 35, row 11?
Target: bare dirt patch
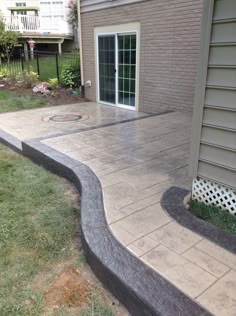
column 68, row 289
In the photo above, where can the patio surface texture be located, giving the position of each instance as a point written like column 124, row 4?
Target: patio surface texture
column 137, row 157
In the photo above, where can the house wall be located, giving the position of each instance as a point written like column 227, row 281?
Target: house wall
column 169, row 40
column 3, row 9
column 214, row 124
column 36, row 3
column 91, row 5
column 12, row 3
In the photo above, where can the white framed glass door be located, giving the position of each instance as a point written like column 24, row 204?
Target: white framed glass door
column 117, row 69
column 107, row 68
column 126, row 69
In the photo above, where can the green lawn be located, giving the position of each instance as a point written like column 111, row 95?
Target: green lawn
column 47, row 65
column 13, row 101
column 215, row 216
column 39, row 237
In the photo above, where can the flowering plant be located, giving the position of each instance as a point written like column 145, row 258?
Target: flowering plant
column 43, row 88
column 73, row 13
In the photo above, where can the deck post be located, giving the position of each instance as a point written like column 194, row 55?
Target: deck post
column 22, row 59
column 57, row 67
column 26, row 53
column 59, row 48
column 31, row 53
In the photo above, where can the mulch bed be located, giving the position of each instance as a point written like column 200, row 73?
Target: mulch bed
column 60, row 96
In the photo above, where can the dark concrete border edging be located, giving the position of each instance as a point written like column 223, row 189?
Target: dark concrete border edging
column 91, row 128
column 172, row 203
column 10, row 141
column 142, row 290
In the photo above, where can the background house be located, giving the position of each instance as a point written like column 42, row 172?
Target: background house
column 214, row 119
column 43, row 21
column 141, row 54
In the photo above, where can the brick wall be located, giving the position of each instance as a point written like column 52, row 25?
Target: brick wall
column 169, row 39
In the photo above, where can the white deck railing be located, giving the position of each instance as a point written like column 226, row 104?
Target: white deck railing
column 37, row 24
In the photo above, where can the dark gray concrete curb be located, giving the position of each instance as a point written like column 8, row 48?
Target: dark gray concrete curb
column 172, row 203
column 142, row 290
column 10, row 141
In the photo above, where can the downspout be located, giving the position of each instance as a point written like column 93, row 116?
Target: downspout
column 80, row 49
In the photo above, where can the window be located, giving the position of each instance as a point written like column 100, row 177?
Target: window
column 52, row 12
column 58, row 14
column 127, row 69
column 21, row 4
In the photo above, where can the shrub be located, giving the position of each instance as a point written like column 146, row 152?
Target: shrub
column 53, row 83
column 4, row 73
column 70, row 75
column 8, row 40
column 27, row 78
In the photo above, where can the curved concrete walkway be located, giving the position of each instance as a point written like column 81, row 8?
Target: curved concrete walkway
column 136, row 161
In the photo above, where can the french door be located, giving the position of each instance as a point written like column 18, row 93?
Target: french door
column 117, row 69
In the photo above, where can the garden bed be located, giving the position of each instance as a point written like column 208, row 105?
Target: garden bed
column 214, row 215
column 174, row 203
column 11, row 96
column 42, row 267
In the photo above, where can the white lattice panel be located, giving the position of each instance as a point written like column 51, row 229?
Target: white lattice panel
column 211, row 193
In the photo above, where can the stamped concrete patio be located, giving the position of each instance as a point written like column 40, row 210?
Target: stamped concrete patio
column 136, row 158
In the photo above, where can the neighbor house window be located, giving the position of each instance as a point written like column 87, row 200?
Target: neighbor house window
column 52, row 12
column 21, row 4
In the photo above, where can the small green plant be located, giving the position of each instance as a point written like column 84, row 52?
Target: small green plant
column 214, row 215
column 70, row 75
column 97, row 306
column 53, row 83
column 4, row 73
column 27, row 78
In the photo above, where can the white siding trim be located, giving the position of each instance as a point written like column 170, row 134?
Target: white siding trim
column 200, row 84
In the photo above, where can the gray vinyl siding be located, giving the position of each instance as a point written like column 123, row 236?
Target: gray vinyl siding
column 169, row 49
column 215, row 155
column 93, row 5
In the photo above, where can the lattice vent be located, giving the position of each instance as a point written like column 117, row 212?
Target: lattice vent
column 215, row 194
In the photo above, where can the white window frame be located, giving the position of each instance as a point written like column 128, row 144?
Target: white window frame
column 51, row 10
column 21, row 4
column 130, row 28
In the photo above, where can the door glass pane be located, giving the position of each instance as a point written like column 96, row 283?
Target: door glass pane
column 45, row 8
column 126, row 69
column 57, row 8
column 107, row 75
column 57, row 13
column 45, row 15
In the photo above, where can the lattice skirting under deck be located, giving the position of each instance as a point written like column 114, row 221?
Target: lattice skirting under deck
column 212, row 193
